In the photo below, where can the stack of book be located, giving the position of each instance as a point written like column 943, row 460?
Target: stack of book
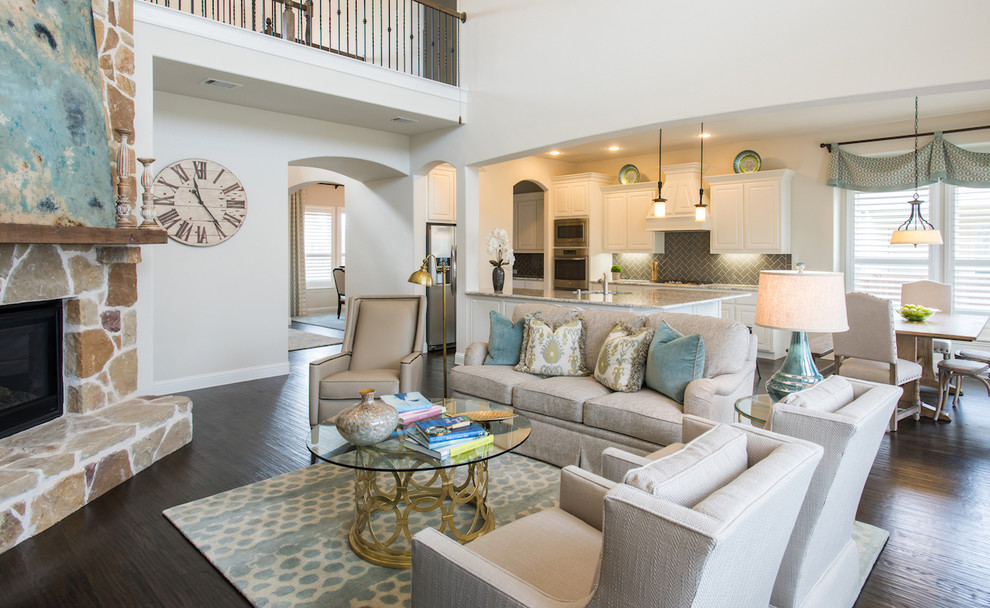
column 412, row 407
column 445, row 438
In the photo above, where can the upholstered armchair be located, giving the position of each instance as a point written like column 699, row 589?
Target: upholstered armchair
column 705, row 526
column 383, row 350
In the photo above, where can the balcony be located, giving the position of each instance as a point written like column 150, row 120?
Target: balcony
column 408, row 36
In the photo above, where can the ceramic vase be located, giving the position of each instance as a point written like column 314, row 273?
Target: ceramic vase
column 498, row 279
column 367, row 422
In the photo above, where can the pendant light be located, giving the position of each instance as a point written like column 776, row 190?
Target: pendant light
column 660, row 203
column 701, row 210
column 916, row 230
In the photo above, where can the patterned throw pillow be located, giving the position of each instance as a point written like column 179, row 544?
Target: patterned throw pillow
column 622, row 360
column 550, row 351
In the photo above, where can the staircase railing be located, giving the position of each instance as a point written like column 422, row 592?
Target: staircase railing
column 410, row 36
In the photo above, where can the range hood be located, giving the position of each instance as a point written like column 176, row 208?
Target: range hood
column 681, row 192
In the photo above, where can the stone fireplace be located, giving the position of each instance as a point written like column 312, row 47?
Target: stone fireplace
column 106, row 434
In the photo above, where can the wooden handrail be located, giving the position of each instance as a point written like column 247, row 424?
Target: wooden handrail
column 443, row 9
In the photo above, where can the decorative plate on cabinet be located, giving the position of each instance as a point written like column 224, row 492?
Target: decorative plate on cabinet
column 628, row 174
column 746, row 161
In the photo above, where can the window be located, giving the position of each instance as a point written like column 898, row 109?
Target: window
column 875, row 266
column 319, row 239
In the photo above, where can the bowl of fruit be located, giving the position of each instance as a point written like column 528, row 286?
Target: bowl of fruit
column 916, row 313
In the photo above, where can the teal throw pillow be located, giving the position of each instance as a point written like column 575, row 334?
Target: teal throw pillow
column 673, row 361
column 504, row 340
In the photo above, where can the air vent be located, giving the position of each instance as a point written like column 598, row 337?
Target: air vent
column 223, row 84
column 402, row 120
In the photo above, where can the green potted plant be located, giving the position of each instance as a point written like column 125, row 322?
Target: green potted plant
column 616, row 270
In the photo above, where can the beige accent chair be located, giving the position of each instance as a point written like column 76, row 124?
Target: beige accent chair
column 383, row 350
column 705, row 526
column 933, row 295
column 868, row 350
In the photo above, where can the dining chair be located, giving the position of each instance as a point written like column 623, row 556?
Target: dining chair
column 338, row 283
column 868, row 349
column 956, row 369
column 933, row 295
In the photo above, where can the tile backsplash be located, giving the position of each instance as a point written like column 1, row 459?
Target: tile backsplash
column 687, row 258
column 530, row 265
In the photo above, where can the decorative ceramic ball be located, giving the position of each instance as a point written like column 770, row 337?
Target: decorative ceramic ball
column 368, row 422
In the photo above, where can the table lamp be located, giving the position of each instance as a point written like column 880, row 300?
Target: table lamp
column 800, row 301
column 424, row 278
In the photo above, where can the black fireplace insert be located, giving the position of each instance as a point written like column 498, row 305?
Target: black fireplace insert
column 30, row 365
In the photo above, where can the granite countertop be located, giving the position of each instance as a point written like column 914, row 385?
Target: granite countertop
column 630, row 296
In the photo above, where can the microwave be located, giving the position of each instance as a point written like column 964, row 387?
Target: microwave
column 570, row 232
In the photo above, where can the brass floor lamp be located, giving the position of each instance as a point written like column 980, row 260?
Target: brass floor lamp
column 424, row 278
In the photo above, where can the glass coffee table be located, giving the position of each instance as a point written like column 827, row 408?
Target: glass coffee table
column 398, row 491
column 755, row 408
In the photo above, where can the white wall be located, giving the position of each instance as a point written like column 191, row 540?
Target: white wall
column 219, row 314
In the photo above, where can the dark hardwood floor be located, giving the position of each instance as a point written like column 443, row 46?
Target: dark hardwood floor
column 929, row 488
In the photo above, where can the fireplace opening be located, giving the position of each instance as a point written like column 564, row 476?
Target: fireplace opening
column 30, row 365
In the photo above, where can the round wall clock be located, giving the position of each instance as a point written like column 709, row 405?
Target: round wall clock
column 199, row 202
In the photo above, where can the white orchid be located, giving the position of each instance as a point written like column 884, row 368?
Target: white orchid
column 500, row 249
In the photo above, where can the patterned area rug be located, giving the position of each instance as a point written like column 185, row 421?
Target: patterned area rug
column 299, row 340
column 330, row 321
column 283, row 542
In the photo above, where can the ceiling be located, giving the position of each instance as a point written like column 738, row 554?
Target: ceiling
column 836, row 122
column 186, row 79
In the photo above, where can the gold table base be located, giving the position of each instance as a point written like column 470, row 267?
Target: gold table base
column 405, row 496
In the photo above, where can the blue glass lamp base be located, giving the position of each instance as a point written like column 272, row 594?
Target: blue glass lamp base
column 798, row 371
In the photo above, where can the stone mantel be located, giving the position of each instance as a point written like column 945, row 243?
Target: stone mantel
column 29, row 234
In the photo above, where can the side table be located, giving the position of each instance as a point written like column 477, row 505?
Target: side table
column 756, row 409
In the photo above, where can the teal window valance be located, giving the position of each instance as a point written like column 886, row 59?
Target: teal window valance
column 939, row 160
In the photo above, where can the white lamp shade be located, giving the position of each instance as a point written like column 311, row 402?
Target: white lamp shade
column 660, row 209
column 802, row 301
column 916, row 237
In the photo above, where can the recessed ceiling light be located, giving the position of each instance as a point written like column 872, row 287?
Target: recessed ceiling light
column 402, row 120
column 614, row 148
column 222, row 84
column 554, row 152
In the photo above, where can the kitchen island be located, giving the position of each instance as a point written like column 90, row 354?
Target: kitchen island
column 639, row 297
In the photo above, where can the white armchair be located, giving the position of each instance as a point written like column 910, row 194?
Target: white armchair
column 848, row 418
column 383, row 348
column 681, row 531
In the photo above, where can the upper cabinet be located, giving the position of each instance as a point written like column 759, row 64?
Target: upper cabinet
column 576, row 195
column 624, row 229
column 680, row 188
column 527, row 223
column 441, row 194
column 751, row 212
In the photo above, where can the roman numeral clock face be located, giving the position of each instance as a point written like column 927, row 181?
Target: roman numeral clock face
column 199, row 202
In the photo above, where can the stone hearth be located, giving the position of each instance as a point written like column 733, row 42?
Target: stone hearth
column 106, row 434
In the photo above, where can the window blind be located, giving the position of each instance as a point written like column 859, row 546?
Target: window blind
column 971, row 250
column 319, row 247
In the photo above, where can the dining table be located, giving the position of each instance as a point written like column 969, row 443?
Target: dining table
column 915, row 341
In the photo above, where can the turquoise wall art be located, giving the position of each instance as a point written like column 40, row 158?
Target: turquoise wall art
column 54, row 154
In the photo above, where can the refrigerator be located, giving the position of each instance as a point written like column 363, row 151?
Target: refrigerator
column 441, row 242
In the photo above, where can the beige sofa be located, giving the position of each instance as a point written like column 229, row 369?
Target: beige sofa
column 575, row 418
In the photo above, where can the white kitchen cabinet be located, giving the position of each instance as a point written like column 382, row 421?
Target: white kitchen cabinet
column 624, row 228
column 751, row 212
column 576, row 195
column 527, row 221
column 771, row 343
column 441, row 194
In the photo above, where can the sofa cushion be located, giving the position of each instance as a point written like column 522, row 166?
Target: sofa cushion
column 673, row 361
column 561, row 397
column 504, row 340
column 645, row 415
column 346, row 384
column 726, row 342
column 827, row 396
column 622, row 359
column 491, row 382
column 552, row 351
column 703, row 466
column 598, row 324
column 554, row 314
